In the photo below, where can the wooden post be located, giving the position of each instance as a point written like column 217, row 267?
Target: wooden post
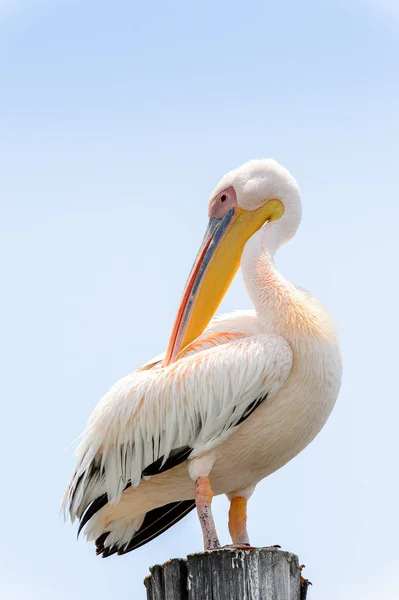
column 228, row 574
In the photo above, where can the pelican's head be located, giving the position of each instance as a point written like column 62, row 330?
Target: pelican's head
column 259, row 193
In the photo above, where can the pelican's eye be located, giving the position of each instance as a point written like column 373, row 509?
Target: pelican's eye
column 222, row 202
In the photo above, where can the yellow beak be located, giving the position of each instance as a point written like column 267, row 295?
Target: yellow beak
column 214, row 269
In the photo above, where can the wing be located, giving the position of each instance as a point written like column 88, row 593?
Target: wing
column 156, row 418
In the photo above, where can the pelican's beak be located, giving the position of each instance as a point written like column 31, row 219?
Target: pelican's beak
column 214, row 269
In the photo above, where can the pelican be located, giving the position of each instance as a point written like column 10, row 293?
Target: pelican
column 234, row 397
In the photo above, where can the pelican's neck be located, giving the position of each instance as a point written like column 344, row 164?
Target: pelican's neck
column 282, row 308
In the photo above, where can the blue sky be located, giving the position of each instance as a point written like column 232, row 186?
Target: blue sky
column 116, row 121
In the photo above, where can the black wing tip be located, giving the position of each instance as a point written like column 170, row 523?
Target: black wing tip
column 91, row 510
column 100, row 542
column 250, row 409
column 176, row 457
column 155, row 522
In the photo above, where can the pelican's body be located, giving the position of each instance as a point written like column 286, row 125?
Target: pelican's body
column 230, row 402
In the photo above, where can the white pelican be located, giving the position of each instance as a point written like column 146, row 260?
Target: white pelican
column 230, row 401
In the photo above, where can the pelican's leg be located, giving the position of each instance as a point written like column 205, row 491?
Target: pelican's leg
column 238, row 521
column 203, row 500
column 238, row 516
column 199, row 469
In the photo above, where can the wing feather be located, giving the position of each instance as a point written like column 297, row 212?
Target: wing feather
column 184, row 410
column 156, row 521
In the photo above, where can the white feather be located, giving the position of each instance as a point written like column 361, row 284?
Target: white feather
column 195, row 402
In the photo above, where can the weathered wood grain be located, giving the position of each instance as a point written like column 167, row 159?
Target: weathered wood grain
column 167, row 581
column 228, row 574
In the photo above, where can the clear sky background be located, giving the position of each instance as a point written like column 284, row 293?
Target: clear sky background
column 116, row 121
